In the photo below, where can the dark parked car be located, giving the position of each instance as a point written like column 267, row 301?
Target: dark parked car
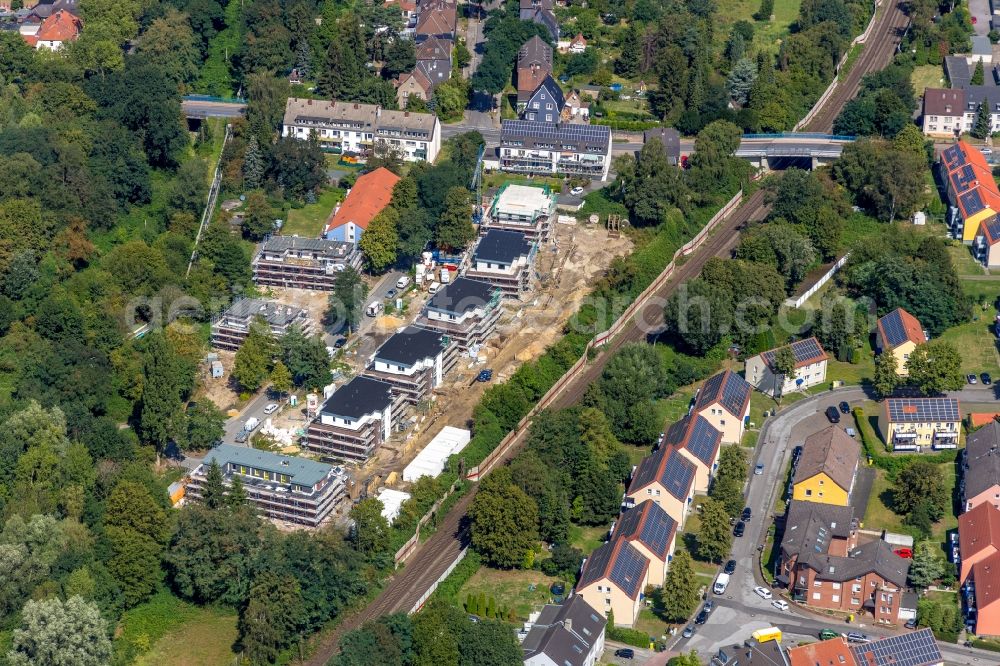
column 558, row 589
column 339, row 343
column 911, row 624
column 844, row 407
column 702, row 617
column 833, row 414
column 797, row 452
column 745, row 516
column 484, row 375
column 625, row 653
column 739, row 529
column 730, row 567
column 985, row 377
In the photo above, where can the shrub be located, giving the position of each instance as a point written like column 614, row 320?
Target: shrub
column 628, row 636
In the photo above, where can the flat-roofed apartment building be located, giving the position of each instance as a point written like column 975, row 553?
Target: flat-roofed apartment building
column 524, row 208
column 560, row 149
column 466, row 311
column 231, row 329
column 503, row 258
column 355, row 128
column 353, row 422
column 302, row 263
column 912, row 424
column 414, row 360
column 289, row 488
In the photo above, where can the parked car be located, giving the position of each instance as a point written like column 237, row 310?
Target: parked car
column 702, row 617
column 271, row 408
column 797, row 452
column 339, row 343
column 759, row 469
column 709, row 605
column 780, row 604
column 242, row 436
column 391, row 293
column 971, row 378
column 832, row 414
column 625, row 653
column 576, row 191
column 688, row 631
column 484, row 375
column 745, row 516
column 844, row 407
column 827, row 634
column 911, row 623
column 762, row 592
column 856, row 637
column 739, row 529
column 730, row 567
column 986, row 379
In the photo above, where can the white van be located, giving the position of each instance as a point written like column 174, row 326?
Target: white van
column 374, row 308
column 721, row 583
column 403, row 282
column 433, row 289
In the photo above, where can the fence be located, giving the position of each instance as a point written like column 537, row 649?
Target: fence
column 860, row 39
column 447, row 572
column 213, row 195
column 410, row 546
column 210, row 98
column 802, row 298
column 601, row 338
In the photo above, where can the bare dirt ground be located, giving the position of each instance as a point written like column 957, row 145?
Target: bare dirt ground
column 566, row 269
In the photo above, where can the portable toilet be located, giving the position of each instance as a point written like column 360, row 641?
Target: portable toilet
column 217, row 369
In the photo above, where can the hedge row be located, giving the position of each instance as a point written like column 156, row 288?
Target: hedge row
column 891, row 462
column 628, row 636
column 626, row 125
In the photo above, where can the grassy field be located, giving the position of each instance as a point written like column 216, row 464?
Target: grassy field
column 587, row 539
column 166, row 630
column 687, row 540
column 511, row 589
column 497, row 179
column 767, row 35
column 927, row 76
column 880, row 516
column 308, row 221
column 648, row 623
column 673, row 408
column 963, row 261
column 977, row 345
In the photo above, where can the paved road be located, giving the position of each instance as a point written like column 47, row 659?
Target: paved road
column 777, row 438
column 980, row 9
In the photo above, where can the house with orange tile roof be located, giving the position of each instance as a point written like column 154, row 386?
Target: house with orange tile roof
column 979, row 419
column 971, row 191
column 982, row 594
column 978, row 536
column 899, row 333
column 56, row 30
column 832, row 652
column 371, row 193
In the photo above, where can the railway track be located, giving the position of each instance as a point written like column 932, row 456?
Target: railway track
column 432, row 559
column 878, row 52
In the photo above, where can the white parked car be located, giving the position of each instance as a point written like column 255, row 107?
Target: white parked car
column 780, row 604
column 762, row 592
column 271, row 408
column 576, row 191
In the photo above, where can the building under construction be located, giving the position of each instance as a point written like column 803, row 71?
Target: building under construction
column 415, row 361
column 303, row 263
column 466, row 311
column 523, row 208
column 354, row 421
column 232, row 328
column 504, row 258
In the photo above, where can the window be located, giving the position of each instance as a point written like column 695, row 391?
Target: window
column 817, row 583
column 809, row 492
column 835, row 598
column 817, row 596
column 836, row 586
column 855, row 602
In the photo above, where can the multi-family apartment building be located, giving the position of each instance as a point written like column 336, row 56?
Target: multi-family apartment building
column 979, row 544
column 613, row 580
column 700, row 442
column 568, row 634
column 913, row 424
column 355, row 128
column 302, row 263
column 353, row 422
column 541, row 12
column 414, row 361
column 287, row 488
column 810, row 368
column 523, row 208
column 653, row 533
column 466, row 311
column 980, row 482
column 667, row 478
column 436, row 18
column 972, row 194
column 950, row 112
column 534, row 64
column 562, row 149
column 828, row 468
column 503, row 258
column 826, row 564
column 231, row 329
column 546, row 103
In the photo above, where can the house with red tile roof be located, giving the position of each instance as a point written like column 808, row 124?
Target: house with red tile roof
column 371, row 193
column 978, row 536
column 810, row 368
column 653, row 533
column 56, row 30
column 899, row 333
column 971, row 191
column 982, row 592
column 724, row 401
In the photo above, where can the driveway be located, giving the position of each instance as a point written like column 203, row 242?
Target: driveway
column 980, row 9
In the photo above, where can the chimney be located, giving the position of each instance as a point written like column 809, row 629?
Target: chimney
column 568, row 623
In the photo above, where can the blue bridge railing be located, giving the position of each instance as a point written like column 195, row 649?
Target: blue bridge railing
column 210, row 98
column 801, row 135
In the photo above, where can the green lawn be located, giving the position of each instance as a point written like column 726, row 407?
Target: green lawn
column 166, row 630
column 637, row 453
column 673, row 408
column 977, row 345
column 648, row 623
column 511, row 589
column 927, row 76
column 687, row 540
column 879, row 515
column 587, row 539
column 498, row 179
column 963, row 261
column 309, row 220
column 767, row 35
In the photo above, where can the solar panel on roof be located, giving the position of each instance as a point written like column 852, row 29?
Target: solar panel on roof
column 541, row 130
column 658, row 528
column 993, row 227
column 972, row 202
column 913, row 649
column 923, row 409
column 964, row 178
column 953, row 156
column 893, row 329
column 734, row 393
column 703, row 440
column 806, row 349
column 677, row 475
column 626, row 572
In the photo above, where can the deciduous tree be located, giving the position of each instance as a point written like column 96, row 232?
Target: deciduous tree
column 347, row 299
column 680, row 590
column 715, row 537
column 454, row 229
column 379, row 241
column 920, row 482
column 53, row 632
column 504, row 521
column 886, row 377
column 370, row 534
column 255, row 356
column 935, row 367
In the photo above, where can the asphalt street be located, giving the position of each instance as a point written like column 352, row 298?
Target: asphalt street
column 740, row 606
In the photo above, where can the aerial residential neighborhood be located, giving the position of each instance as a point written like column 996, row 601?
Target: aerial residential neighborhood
column 541, row 332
